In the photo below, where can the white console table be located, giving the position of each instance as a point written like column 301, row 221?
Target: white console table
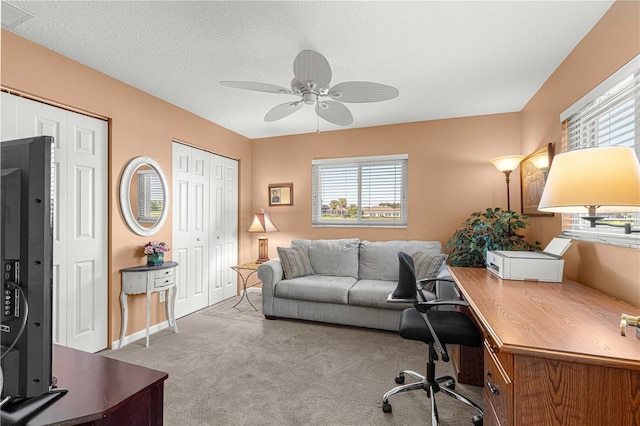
column 149, row 279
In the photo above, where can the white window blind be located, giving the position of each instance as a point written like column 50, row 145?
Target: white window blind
column 360, row 191
column 150, row 196
column 608, row 116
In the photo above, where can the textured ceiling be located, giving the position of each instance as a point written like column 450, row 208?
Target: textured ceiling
column 447, row 59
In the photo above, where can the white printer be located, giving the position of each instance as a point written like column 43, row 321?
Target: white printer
column 544, row 265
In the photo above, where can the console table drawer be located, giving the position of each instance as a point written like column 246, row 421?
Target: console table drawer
column 164, row 273
column 498, row 387
column 163, row 282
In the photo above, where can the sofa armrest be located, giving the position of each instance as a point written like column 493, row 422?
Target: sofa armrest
column 270, row 272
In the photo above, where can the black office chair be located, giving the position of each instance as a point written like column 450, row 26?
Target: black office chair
column 435, row 327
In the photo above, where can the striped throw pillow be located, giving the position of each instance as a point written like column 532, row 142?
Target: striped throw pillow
column 295, row 262
column 427, row 265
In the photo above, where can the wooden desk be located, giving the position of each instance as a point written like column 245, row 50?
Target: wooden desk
column 553, row 353
column 103, row 391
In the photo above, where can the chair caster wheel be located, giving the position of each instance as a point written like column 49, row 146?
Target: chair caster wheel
column 400, row 379
column 477, row 420
column 386, row 407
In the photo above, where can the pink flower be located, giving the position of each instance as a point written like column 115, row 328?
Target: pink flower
column 155, row 247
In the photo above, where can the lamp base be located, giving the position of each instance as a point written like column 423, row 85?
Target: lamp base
column 263, row 249
column 593, row 219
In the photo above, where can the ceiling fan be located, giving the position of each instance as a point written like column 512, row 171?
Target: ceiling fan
column 312, row 75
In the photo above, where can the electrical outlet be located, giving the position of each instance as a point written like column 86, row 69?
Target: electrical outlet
column 162, row 295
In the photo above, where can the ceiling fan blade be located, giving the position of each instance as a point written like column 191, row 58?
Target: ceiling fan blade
column 282, row 110
column 311, row 66
column 362, row 91
column 334, row 112
column 260, row 87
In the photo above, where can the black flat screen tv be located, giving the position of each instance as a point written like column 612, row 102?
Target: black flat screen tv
column 26, row 246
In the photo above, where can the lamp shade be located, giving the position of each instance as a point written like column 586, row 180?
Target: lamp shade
column 262, row 223
column 606, row 178
column 507, row 162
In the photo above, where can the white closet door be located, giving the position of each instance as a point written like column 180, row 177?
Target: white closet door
column 224, row 228
column 217, row 259
column 199, row 232
column 80, row 286
column 205, row 227
column 191, row 216
column 230, row 278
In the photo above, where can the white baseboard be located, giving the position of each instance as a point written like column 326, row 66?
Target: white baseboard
column 161, row 326
column 140, row 335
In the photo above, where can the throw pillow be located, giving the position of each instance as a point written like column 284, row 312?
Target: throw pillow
column 427, row 265
column 295, row 262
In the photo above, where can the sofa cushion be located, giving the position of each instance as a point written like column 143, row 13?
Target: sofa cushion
column 379, row 259
column 316, row 288
column 332, row 257
column 427, row 265
column 295, row 262
column 374, row 293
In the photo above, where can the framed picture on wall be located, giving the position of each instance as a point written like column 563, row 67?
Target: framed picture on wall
column 280, row 194
column 534, row 170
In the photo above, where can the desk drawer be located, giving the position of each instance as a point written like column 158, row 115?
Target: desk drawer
column 163, row 282
column 498, row 387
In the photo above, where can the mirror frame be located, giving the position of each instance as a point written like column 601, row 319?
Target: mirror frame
column 125, row 205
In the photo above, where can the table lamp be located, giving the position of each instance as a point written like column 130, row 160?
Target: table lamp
column 262, row 223
column 606, row 179
column 506, row 164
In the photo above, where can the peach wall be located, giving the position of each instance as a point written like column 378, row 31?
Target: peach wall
column 139, row 124
column 449, row 174
column 613, row 41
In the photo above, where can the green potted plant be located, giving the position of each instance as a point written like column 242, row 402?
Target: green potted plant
column 493, row 229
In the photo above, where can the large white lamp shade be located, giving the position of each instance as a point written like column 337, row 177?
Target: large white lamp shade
column 581, row 181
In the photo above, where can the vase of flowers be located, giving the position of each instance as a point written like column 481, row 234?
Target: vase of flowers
column 155, row 252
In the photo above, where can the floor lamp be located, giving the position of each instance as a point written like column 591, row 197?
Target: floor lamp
column 506, row 165
column 262, row 223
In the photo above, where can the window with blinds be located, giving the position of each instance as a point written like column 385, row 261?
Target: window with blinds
column 608, row 116
column 360, row 191
column 150, row 196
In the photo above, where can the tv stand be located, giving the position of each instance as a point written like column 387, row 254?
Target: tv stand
column 102, row 391
column 18, row 411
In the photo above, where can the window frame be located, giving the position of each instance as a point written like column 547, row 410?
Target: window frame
column 400, row 184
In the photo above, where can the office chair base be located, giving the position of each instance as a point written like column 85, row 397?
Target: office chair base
column 446, row 384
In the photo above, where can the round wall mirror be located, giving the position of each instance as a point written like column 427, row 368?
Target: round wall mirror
column 144, row 196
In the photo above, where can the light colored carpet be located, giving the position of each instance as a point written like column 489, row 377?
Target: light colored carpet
column 231, row 366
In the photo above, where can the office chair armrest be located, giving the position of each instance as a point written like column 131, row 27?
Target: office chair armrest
column 391, row 299
column 442, row 302
column 436, row 342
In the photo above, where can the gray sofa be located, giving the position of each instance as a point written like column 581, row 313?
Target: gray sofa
column 343, row 281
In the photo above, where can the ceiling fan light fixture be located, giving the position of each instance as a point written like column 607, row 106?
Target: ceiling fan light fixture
column 310, row 98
